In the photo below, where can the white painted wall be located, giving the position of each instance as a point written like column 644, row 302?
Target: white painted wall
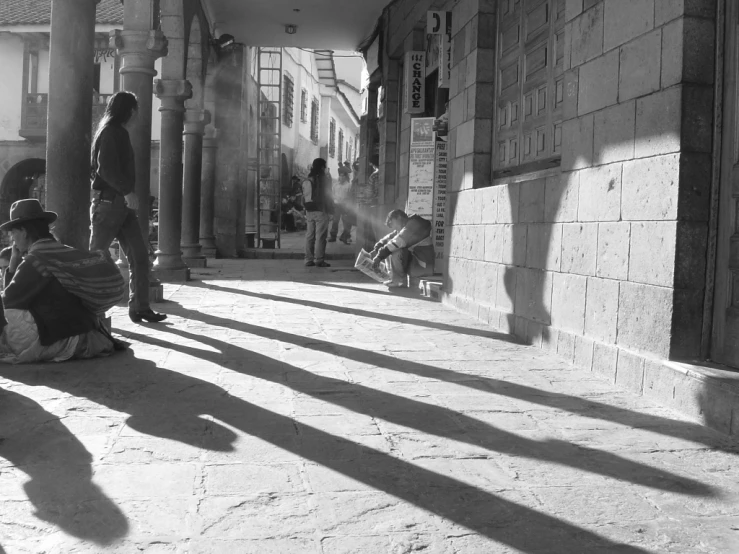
column 11, row 86
column 43, row 71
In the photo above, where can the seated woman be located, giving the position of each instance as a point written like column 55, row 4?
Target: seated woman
column 54, row 294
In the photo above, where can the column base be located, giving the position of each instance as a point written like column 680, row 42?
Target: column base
column 195, row 261
column 156, row 290
column 208, row 252
column 172, row 275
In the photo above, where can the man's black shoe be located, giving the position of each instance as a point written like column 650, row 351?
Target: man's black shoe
column 323, row 264
column 310, row 263
column 149, row 315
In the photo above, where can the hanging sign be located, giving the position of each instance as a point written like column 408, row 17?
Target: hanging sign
column 414, row 99
column 443, row 21
column 437, row 22
column 439, row 216
column 445, row 61
column 421, row 168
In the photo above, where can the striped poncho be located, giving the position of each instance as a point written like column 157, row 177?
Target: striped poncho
column 91, row 276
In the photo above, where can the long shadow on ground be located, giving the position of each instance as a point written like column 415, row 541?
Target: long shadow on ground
column 584, row 407
column 60, row 470
column 165, row 403
column 429, row 418
column 365, row 313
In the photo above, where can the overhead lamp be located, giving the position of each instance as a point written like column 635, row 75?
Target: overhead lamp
column 291, row 29
column 224, row 41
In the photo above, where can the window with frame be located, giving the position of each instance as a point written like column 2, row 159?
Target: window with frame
column 527, row 133
column 288, row 99
column 341, row 146
column 332, row 138
column 303, row 106
column 314, row 120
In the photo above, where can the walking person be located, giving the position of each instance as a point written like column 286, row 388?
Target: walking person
column 114, row 204
column 318, row 206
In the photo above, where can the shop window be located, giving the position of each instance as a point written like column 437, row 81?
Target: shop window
column 288, row 94
column 332, row 138
column 304, row 106
column 527, row 129
column 314, row 120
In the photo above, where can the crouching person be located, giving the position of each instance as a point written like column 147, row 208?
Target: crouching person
column 55, row 295
column 408, row 246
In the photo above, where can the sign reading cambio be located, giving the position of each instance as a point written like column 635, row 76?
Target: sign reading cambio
column 414, row 100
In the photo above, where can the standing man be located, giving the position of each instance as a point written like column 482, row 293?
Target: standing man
column 318, row 206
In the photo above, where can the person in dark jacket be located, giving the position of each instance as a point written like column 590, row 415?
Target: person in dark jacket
column 54, row 294
column 114, row 205
column 408, row 246
column 319, row 207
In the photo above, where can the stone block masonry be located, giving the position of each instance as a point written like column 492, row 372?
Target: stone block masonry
column 601, row 259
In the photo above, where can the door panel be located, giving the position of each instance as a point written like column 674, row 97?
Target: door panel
column 725, row 338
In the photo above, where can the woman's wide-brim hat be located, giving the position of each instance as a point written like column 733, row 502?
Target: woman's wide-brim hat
column 29, row 209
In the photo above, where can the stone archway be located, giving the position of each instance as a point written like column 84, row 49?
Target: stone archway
column 25, row 179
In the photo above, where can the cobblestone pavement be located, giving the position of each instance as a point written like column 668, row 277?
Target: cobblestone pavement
column 289, row 410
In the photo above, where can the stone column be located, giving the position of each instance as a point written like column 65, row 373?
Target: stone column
column 195, row 122
column 169, row 266
column 139, row 50
column 70, row 118
column 207, row 193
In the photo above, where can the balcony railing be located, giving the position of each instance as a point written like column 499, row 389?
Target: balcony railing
column 33, row 117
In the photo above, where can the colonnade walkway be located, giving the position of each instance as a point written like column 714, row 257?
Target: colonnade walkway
column 283, row 409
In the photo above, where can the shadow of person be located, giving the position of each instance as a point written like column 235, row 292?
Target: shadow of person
column 429, row 418
column 60, row 470
column 166, row 397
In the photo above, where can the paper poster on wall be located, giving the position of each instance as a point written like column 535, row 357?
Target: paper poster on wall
column 421, row 168
column 438, row 221
column 414, row 79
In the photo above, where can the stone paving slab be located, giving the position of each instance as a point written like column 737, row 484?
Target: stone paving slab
column 284, row 409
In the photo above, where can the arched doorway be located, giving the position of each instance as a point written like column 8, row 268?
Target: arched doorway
column 26, row 179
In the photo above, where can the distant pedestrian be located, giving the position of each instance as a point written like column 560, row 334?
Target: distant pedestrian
column 114, row 205
column 342, row 201
column 318, row 206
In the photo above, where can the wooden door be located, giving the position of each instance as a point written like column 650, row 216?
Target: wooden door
column 725, row 337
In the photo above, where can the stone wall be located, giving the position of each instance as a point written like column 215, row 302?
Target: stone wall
column 602, row 260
